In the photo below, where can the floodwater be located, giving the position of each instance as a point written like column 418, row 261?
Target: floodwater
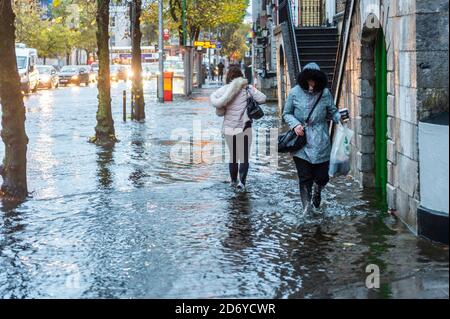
column 132, row 222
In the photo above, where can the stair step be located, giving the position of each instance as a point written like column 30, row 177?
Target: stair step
column 321, row 63
column 317, row 56
column 318, row 50
column 310, row 42
column 327, row 31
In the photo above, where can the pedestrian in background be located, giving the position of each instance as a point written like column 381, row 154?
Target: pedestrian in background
column 312, row 161
column 230, row 102
column 212, row 71
column 221, row 67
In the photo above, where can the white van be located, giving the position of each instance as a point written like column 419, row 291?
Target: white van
column 26, row 65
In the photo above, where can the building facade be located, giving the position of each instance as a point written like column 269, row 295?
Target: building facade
column 396, row 77
column 391, row 72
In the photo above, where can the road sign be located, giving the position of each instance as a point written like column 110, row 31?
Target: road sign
column 166, row 34
column 205, row 44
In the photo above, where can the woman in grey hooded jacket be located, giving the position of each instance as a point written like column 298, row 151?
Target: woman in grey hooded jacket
column 312, row 162
column 230, row 102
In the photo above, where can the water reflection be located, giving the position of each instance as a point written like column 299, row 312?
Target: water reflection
column 13, row 270
column 239, row 225
column 139, row 155
column 104, row 162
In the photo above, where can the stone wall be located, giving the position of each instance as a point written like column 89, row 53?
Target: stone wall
column 432, row 42
column 417, row 83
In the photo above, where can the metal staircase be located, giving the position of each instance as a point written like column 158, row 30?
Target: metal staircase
column 320, row 45
column 312, row 41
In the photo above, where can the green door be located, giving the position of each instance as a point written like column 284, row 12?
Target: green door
column 381, row 115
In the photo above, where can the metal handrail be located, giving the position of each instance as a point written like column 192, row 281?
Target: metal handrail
column 342, row 50
column 287, row 15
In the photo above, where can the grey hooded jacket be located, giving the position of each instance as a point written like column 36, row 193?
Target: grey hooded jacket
column 296, row 110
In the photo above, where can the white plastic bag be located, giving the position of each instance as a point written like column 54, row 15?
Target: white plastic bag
column 340, row 152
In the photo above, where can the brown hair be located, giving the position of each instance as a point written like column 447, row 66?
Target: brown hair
column 233, row 72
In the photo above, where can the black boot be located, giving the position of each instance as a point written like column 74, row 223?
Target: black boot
column 305, row 195
column 234, row 170
column 317, row 196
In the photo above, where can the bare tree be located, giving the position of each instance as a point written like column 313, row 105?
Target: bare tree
column 14, row 168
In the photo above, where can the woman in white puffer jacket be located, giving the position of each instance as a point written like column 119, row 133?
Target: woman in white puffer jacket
column 230, row 102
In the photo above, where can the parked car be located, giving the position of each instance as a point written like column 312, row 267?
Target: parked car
column 118, row 72
column 48, row 77
column 26, row 64
column 74, row 74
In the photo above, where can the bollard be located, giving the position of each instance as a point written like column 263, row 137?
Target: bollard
column 168, row 86
column 124, row 105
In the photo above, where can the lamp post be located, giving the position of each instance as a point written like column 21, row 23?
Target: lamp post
column 161, row 53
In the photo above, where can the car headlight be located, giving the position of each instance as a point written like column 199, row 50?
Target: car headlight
column 75, row 77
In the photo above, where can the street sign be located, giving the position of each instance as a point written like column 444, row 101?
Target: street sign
column 205, row 44
column 166, row 34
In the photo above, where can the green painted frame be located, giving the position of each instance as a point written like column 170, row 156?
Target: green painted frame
column 381, row 172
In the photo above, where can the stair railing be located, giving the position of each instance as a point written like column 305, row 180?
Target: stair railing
column 285, row 15
column 312, row 13
column 341, row 57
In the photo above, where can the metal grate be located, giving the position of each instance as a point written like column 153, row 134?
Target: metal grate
column 312, row 13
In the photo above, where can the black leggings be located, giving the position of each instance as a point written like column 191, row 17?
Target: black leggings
column 309, row 173
column 239, row 147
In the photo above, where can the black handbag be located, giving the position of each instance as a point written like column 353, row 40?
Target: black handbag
column 290, row 142
column 254, row 110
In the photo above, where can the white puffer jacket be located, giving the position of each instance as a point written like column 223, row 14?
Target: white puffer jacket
column 230, row 102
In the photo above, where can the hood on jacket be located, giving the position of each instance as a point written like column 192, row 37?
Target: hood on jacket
column 231, row 91
column 312, row 71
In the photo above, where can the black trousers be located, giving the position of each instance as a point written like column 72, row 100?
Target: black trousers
column 312, row 173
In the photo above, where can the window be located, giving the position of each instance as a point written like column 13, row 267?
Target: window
column 113, row 40
column 112, row 22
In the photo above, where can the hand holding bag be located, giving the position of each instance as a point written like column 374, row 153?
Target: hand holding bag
column 254, row 110
column 290, row 142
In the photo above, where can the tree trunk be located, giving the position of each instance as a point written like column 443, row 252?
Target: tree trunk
column 14, row 168
column 45, row 60
column 104, row 131
column 136, row 62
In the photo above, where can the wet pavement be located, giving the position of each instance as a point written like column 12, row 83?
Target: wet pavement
column 130, row 222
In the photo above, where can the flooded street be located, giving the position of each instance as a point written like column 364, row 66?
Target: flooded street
column 129, row 222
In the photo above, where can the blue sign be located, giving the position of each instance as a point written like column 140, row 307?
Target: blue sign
column 46, row 6
column 218, row 45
